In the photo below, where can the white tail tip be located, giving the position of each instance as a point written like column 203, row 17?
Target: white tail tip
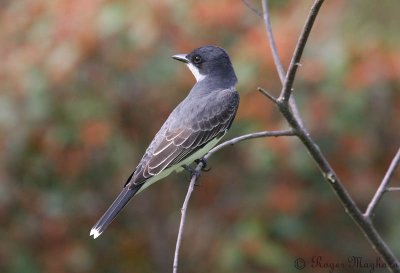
column 95, row 233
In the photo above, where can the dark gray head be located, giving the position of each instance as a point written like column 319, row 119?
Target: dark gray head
column 210, row 64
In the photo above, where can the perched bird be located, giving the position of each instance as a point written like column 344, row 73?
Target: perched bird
column 191, row 130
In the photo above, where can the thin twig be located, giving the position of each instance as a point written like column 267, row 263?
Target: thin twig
column 235, row 140
column 267, row 94
column 199, row 168
column 393, row 189
column 271, row 40
column 253, row 9
column 277, row 61
column 329, row 174
column 350, row 206
column 183, row 217
column 295, row 62
column 383, row 186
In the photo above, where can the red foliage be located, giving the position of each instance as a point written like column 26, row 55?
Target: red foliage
column 373, row 64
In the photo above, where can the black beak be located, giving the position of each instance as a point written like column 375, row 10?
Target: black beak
column 181, row 58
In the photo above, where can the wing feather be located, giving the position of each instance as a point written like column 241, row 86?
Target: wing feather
column 187, row 133
column 162, row 156
column 172, row 134
column 179, row 138
column 163, row 146
column 159, row 168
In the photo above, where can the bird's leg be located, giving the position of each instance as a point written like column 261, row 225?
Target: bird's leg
column 205, row 167
column 191, row 170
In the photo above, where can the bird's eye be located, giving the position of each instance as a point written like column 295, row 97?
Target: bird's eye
column 196, row 59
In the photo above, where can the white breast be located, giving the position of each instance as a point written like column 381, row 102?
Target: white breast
column 195, row 72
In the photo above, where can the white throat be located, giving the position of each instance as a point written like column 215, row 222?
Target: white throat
column 196, row 73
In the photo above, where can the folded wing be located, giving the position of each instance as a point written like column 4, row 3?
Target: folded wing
column 184, row 137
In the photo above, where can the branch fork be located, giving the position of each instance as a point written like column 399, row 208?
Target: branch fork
column 384, row 186
column 288, row 108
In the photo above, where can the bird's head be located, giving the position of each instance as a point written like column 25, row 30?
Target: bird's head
column 208, row 62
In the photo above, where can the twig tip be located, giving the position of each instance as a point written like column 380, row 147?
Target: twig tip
column 267, row 94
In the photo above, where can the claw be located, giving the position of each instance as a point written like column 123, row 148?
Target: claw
column 191, row 170
column 205, row 167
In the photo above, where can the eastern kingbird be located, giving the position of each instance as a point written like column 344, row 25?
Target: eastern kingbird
column 191, row 130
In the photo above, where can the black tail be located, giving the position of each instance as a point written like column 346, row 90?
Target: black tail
column 119, row 203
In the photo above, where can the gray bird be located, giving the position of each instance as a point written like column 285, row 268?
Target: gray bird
column 191, row 130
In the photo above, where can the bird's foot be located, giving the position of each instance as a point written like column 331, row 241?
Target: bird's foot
column 205, row 167
column 192, row 171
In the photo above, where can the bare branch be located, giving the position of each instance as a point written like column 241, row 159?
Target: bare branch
column 249, row 136
column 271, row 40
column 295, row 62
column 384, row 185
column 288, row 109
column 350, row 206
column 253, row 9
column 199, row 168
column 285, row 102
column 183, row 217
column 393, row 189
column 277, row 61
column 267, row 94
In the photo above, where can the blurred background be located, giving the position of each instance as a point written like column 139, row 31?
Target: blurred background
column 85, row 85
